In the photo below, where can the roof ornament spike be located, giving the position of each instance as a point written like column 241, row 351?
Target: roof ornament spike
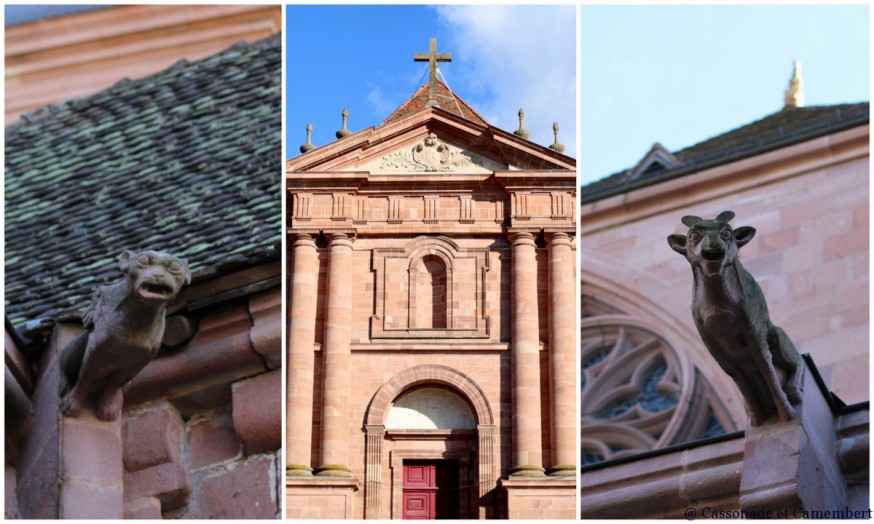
column 794, row 96
column 343, row 133
column 556, row 146
column 309, row 145
column 432, row 57
column 522, row 132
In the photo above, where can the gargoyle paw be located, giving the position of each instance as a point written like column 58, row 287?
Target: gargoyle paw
column 70, row 405
column 109, row 407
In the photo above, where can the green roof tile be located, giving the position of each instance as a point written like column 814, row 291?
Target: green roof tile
column 145, row 164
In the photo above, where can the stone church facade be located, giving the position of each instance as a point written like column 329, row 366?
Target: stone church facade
column 431, row 322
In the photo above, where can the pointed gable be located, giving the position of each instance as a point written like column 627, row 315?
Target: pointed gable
column 657, row 159
column 449, row 101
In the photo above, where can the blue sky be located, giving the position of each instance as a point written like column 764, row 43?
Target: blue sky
column 681, row 74
column 361, row 57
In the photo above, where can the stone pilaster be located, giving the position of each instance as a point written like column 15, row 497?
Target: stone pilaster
column 300, row 364
column 562, row 352
column 375, row 436
column 70, row 468
column 337, row 357
column 525, row 359
column 487, row 464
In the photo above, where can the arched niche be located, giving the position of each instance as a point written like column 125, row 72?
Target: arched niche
column 430, row 287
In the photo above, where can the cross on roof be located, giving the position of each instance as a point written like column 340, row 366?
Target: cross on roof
column 432, row 56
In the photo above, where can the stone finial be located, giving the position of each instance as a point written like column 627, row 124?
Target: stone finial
column 794, row 96
column 522, row 132
column 344, row 132
column 309, row 145
column 556, row 146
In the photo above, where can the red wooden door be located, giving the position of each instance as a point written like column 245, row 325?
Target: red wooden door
column 420, row 490
column 430, row 490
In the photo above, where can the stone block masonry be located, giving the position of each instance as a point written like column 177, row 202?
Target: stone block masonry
column 199, row 437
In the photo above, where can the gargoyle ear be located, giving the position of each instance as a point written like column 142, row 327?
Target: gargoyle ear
column 124, row 260
column 725, row 216
column 744, row 234
column 690, row 220
column 187, row 271
column 678, row 243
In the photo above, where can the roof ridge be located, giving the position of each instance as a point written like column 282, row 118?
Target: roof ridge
column 786, row 127
column 771, row 116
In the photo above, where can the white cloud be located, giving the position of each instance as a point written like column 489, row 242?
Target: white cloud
column 512, row 57
column 380, row 104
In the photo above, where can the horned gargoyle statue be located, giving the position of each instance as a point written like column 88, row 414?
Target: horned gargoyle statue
column 731, row 315
column 124, row 326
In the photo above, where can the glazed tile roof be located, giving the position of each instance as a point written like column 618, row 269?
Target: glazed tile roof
column 417, row 102
column 780, row 129
column 186, row 161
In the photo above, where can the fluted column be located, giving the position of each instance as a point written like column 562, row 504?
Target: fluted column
column 562, row 353
column 337, row 356
column 525, row 359
column 299, row 369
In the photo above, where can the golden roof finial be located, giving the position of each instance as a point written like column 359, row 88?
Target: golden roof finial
column 795, row 92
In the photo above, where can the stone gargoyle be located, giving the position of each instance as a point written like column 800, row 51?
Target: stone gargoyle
column 124, row 326
column 731, row 315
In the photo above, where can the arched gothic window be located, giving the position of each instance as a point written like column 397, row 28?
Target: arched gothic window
column 637, row 393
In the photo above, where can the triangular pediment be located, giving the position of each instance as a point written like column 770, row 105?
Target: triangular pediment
column 431, row 141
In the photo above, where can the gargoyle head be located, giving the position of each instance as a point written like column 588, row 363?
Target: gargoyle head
column 711, row 245
column 154, row 276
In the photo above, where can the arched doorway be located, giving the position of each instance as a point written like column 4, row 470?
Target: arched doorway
column 429, row 433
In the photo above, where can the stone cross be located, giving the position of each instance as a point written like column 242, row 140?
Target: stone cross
column 432, row 57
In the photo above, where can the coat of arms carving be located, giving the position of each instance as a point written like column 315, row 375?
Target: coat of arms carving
column 429, row 156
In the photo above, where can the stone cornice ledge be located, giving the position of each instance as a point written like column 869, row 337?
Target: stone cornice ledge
column 664, row 486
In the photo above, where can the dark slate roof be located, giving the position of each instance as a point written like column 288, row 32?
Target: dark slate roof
column 186, row 161
column 447, row 99
column 781, row 129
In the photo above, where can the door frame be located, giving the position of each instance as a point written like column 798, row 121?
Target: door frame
column 466, row 476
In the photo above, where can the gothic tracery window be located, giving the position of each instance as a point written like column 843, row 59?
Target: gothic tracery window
column 637, row 394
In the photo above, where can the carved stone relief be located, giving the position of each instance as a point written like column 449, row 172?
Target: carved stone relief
column 432, row 155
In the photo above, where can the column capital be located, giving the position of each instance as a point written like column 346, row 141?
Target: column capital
column 303, row 240
column 339, row 238
column 559, row 238
column 521, row 238
column 374, row 429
